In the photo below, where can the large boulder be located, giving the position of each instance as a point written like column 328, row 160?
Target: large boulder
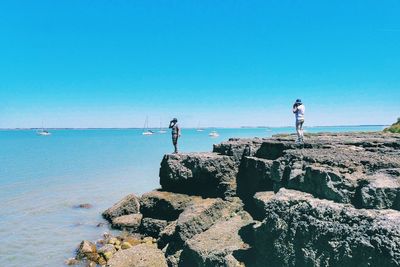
column 195, row 219
column 221, row 245
column 203, row 174
column 380, row 190
column 164, row 205
column 143, row 255
column 152, row 227
column 129, row 222
column 128, row 205
column 300, row 230
column 200, row 216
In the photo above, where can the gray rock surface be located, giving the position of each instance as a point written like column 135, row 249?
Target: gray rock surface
column 203, row 214
column 138, row 256
column 129, row 222
column 216, row 246
column 254, row 176
column 164, row 205
column 152, row 227
column 203, row 174
column 238, row 147
column 339, row 167
column 300, row 230
column 331, row 201
column 128, row 205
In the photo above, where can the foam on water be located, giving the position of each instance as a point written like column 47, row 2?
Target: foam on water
column 42, row 178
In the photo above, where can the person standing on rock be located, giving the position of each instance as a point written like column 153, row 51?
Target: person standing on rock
column 176, row 133
column 298, row 110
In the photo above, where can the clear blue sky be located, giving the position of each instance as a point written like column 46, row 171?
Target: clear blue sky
column 103, row 63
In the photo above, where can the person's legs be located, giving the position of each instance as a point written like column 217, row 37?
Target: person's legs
column 298, row 130
column 175, row 143
column 301, row 130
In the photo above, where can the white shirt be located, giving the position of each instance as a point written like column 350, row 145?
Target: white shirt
column 300, row 112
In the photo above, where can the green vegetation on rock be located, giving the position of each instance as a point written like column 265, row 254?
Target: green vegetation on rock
column 395, row 128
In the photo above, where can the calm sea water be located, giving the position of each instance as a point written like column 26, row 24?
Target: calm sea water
column 42, row 178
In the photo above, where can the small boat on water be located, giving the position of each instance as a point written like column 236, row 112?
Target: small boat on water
column 43, row 133
column 198, row 129
column 146, row 130
column 213, row 134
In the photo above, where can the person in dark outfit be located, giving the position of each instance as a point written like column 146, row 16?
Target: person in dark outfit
column 176, row 133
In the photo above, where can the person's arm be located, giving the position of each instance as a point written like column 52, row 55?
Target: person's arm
column 170, row 124
column 179, row 130
column 294, row 108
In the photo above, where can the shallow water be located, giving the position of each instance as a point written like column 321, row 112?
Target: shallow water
column 42, row 178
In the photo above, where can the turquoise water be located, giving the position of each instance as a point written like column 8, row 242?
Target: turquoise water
column 42, row 178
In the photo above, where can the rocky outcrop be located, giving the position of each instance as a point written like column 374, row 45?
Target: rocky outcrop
column 332, row 201
column 152, row 227
column 301, row 230
column 238, row 148
column 139, row 256
column 202, row 174
column 203, row 214
column 216, row 246
column 164, row 205
column 128, row 205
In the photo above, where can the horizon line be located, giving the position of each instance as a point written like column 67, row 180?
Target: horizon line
column 208, row 127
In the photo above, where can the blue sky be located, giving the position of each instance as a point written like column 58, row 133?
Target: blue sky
column 108, row 63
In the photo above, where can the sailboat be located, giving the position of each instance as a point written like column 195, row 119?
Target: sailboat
column 161, row 131
column 213, row 134
column 43, row 132
column 146, row 130
column 198, row 129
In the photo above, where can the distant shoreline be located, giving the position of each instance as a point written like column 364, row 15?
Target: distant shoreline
column 211, row 127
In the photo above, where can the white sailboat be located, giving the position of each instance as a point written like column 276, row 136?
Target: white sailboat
column 198, row 129
column 43, row 132
column 213, row 134
column 146, row 130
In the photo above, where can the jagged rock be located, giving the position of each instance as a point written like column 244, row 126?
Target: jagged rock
column 254, row 176
column 203, row 214
column 326, row 182
column 217, row 245
column 129, row 222
column 167, row 234
column 380, row 190
column 164, row 205
column 300, row 230
column 260, row 199
column 237, row 148
column 143, row 255
column 152, row 227
column 203, row 174
column 107, row 251
column 87, row 250
column 173, row 255
column 127, row 205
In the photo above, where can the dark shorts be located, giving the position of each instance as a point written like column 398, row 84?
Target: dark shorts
column 175, row 139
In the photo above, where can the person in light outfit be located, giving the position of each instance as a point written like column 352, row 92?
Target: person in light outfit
column 298, row 110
